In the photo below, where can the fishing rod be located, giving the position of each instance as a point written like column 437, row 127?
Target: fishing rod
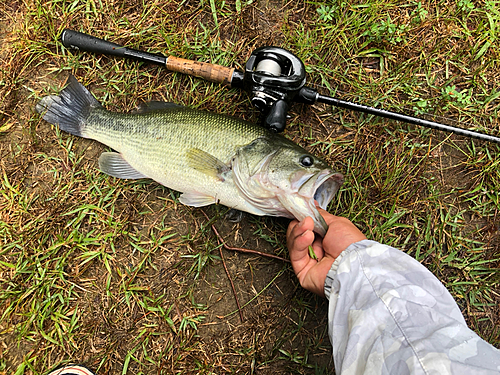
column 274, row 77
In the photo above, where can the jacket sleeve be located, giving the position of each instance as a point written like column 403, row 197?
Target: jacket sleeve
column 388, row 314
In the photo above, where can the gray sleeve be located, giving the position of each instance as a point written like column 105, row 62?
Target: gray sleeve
column 388, row 314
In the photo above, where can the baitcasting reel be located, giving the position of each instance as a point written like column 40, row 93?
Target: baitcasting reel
column 273, row 76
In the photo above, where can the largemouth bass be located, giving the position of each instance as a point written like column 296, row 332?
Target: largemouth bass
column 210, row 158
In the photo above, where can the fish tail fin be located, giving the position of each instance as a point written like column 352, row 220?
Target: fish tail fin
column 70, row 109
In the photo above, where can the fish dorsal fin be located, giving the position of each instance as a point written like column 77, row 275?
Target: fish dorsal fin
column 206, row 163
column 112, row 163
column 196, row 199
column 156, row 106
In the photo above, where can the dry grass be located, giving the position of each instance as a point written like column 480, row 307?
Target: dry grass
column 120, row 276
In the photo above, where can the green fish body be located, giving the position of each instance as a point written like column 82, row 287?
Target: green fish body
column 210, row 158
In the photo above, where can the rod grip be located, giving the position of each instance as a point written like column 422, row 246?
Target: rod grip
column 88, row 43
column 84, row 42
column 210, row 72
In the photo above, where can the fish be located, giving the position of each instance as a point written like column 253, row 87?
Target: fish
column 210, row 158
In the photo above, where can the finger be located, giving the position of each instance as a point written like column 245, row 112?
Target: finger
column 297, row 229
column 329, row 218
column 313, row 276
column 298, row 243
column 291, row 226
column 299, row 238
column 317, row 246
column 299, row 253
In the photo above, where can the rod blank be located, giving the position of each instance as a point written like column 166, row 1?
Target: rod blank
column 405, row 118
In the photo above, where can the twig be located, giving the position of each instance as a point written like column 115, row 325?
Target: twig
column 225, row 269
column 232, row 285
column 246, row 250
column 242, row 250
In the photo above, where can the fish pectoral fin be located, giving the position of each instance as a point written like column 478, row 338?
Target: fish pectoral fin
column 196, row 199
column 115, row 165
column 208, row 164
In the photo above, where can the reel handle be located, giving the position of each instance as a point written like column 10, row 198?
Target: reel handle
column 211, row 72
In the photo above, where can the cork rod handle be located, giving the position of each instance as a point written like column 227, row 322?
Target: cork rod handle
column 210, row 72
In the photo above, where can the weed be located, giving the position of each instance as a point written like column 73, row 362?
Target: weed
column 201, row 260
column 459, row 98
column 420, row 13
column 388, row 31
column 326, row 12
column 465, row 5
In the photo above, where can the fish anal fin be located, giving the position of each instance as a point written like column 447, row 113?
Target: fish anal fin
column 113, row 164
column 196, row 199
column 206, row 163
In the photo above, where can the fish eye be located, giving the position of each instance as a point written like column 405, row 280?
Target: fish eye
column 306, row 160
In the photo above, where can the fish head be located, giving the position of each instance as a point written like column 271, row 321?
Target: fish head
column 283, row 179
column 302, row 179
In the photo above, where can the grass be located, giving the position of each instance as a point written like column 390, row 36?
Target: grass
column 119, row 276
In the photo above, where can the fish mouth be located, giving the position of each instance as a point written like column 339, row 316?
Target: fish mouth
column 326, row 186
column 320, row 187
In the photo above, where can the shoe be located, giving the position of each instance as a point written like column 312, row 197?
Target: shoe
column 72, row 370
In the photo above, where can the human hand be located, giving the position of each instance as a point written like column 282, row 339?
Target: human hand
column 312, row 272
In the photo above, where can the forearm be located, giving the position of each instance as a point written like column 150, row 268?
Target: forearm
column 389, row 314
